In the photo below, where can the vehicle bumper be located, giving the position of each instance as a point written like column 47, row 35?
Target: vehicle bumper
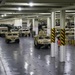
column 46, row 45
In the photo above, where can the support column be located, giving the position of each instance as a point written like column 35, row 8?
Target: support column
column 28, row 23
column 62, row 36
column 33, row 23
column 48, row 26
column 36, row 27
column 74, row 27
column 18, row 22
column 53, row 35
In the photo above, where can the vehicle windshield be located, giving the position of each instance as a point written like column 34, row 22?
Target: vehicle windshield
column 40, row 37
column 9, row 34
column 14, row 34
column 47, row 37
column 24, row 30
column 4, row 30
column 14, row 30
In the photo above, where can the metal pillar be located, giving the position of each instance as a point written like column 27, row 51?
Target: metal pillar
column 62, row 36
column 53, row 35
column 33, row 23
column 48, row 26
column 36, row 26
column 28, row 23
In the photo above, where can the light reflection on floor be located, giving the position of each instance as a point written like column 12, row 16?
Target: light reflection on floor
column 25, row 59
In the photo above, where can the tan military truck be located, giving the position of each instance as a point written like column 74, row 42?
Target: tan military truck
column 42, row 41
column 3, row 31
column 12, row 37
column 24, row 32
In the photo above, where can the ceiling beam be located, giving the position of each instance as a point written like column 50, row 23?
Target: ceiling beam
column 43, row 1
column 65, row 8
column 23, row 8
column 39, row 12
column 28, row 11
column 38, row 4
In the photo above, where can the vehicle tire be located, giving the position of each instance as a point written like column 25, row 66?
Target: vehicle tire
column 22, row 35
column 1, row 35
column 29, row 35
column 38, row 46
column 26, row 35
column 34, row 44
column 17, row 41
column 7, row 41
column 47, row 47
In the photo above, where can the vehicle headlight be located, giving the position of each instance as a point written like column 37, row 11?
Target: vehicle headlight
column 49, row 41
column 39, row 41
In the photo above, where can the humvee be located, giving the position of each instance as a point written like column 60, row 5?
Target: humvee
column 42, row 40
column 12, row 37
column 24, row 32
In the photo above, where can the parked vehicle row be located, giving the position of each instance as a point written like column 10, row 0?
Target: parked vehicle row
column 14, row 34
column 22, row 32
column 68, row 31
column 3, row 31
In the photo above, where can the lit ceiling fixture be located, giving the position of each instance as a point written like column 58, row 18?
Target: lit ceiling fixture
column 19, row 8
column 2, row 15
column 5, row 15
column 31, row 4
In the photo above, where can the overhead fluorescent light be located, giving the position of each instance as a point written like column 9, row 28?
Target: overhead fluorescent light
column 5, row 15
column 19, row 8
column 2, row 15
column 31, row 4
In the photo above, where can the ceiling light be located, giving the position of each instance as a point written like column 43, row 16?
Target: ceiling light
column 2, row 15
column 19, row 8
column 31, row 4
column 5, row 15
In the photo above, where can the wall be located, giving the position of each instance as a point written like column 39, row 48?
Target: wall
column 7, row 22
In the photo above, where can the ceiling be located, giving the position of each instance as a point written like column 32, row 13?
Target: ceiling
column 43, row 1
column 39, row 8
